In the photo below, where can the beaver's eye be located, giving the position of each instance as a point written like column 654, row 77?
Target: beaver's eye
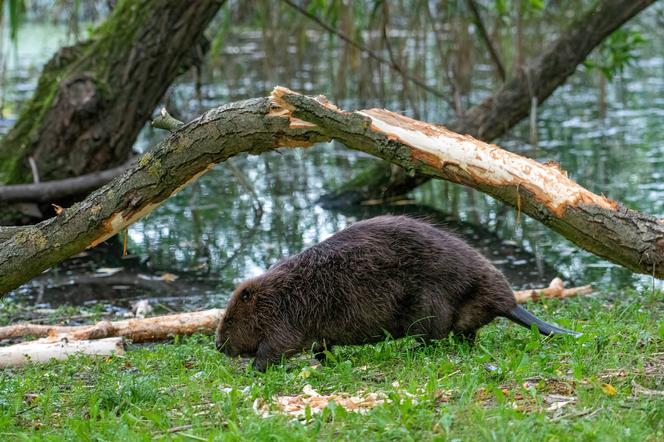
column 245, row 295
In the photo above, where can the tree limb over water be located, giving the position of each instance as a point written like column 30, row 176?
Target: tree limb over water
column 287, row 119
column 512, row 102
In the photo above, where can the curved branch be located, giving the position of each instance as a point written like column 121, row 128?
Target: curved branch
column 288, row 119
column 542, row 191
column 253, row 126
column 512, row 102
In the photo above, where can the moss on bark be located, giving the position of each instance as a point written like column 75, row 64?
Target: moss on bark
column 92, row 99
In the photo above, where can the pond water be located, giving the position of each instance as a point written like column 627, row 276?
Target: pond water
column 215, row 233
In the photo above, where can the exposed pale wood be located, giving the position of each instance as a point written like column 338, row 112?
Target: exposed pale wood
column 156, row 328
column 45, row 350
column 542, row 191
column 510, row 103
column 555, row 290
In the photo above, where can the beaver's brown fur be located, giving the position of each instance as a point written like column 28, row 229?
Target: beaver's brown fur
column 389, row 274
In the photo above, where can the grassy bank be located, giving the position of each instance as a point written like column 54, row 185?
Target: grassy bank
column 511, row 385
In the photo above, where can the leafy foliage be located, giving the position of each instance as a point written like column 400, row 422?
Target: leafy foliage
column 619, row 51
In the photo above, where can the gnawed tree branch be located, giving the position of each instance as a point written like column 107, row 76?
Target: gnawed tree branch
column 512, row 102
column 156, row 328
column 44, row 351
column 253, row 126
column 543, row 191
column 288, row 119
column 555, row 290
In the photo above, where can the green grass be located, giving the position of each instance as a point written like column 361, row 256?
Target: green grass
column 453, row 396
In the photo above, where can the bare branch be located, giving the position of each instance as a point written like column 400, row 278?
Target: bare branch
column 394, row 66
column 493, row 52
column 47, row 191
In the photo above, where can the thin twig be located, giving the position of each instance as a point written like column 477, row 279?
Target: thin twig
column 639, row 389
column 456, row 106
column 34, row 169
column 487, row 41
column 393, row 59
column 179, row 428
column 364, row 49
column 588, row 413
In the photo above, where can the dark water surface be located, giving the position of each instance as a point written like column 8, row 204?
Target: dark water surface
column 215, row 233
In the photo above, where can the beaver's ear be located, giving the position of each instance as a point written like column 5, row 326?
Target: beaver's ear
column 246, row 294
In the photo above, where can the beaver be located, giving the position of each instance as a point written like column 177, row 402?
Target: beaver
column 388, row 274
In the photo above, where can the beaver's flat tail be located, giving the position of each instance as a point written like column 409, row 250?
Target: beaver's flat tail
column 524, row 318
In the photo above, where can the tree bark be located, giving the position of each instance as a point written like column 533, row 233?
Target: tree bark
column 247, row 126
column 511, row 103
column 288, row 119
column 92, row 99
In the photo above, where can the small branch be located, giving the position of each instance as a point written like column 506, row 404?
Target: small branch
column 167, row 121
column 45, row 350
column 487, row 40
column 47, row 191
column 395, row 67
column 555, row 290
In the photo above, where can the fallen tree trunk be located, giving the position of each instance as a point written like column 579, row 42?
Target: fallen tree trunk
column 156, row 328
column 44, row 351
column 288, row 119
column 498, row 113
